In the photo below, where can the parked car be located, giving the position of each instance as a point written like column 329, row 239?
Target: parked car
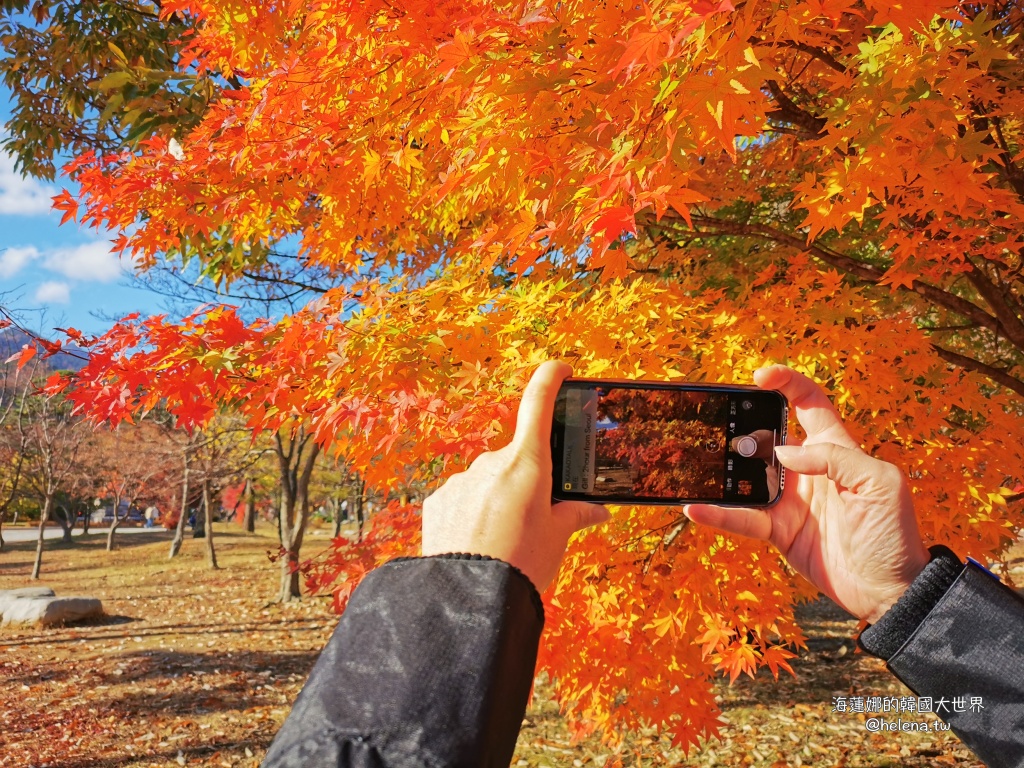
column 105, row 516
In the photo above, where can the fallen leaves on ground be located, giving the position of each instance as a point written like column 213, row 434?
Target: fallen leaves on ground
column 191, row 667
column 199, row 667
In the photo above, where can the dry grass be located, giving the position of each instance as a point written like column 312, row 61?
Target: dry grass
column 193, row 667
column 199, row 667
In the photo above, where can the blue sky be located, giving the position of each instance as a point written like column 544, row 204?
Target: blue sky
column 53, row 275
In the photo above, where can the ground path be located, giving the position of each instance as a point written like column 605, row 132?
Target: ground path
column 55, row 532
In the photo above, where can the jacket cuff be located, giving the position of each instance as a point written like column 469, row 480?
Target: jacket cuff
column 894, row 629
column 535, row 598
column 967, row 657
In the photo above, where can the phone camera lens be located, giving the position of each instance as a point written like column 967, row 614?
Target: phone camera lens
column 747, row 405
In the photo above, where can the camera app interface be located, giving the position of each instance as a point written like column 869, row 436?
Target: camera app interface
column 669, row 444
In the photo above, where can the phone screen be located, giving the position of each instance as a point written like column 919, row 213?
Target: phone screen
column 656, row 443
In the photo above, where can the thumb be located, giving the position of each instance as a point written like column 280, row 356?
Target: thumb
column 581, row 514
column 847, row 467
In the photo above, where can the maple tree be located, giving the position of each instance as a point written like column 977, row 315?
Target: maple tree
column 671, row 189
column 240, row 498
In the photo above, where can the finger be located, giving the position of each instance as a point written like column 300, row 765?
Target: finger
column 814, row 410
column 533, row 421
column 848, row 468
column 753, row 523
column 581, row 514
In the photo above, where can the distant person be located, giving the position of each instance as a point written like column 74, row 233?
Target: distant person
column 432, row 662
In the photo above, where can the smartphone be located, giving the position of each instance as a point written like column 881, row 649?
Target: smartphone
column 650, row 442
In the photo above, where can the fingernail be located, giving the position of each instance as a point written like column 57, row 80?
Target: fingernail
column 788, row 451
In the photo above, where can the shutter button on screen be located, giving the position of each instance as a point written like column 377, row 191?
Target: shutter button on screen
column 745, row 446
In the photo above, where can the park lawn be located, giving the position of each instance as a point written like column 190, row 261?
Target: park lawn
column 199, row 667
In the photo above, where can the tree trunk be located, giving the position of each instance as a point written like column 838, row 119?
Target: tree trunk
column 114, row 523
column 281, row 512
column 291, row 589
column 3, row 517
column 37, row 566
column 67, row 524
column 211, row 554
column 249, row 511
column 290, row 559
column 360, row 517
column 337, row 515
column 294, row 517
column 11, row 487
column 179, row 530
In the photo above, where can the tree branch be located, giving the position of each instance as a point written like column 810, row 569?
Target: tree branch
column 789, row 112
column 1013, row 328
column 820, row 54
column 998, row 375
column 1012, row 173
column 711, row 226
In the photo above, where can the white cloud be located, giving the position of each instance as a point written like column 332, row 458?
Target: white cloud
column 21, row 196
column 88, row 262
column 13, row 259
column 53, row 293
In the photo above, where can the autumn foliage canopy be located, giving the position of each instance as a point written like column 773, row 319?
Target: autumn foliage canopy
column 671, row 189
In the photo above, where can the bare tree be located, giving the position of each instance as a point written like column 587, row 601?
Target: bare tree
column 210, row 460
column 52, row 440
column 15, row 386
column 186, row 447
column 132, row 465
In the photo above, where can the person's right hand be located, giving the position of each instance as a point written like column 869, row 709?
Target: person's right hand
column 845, row 520
column 501, row 506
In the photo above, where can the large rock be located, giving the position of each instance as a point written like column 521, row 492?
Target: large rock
column 8, row 596
column 48, row 611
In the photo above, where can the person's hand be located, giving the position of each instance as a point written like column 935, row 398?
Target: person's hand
column 845, row 520
column 501, row 506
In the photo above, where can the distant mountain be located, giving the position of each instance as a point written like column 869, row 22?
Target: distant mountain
column 13, row 339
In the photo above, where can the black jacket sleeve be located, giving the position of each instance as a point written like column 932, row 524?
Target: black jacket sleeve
column 957, row 635
column 431, row 665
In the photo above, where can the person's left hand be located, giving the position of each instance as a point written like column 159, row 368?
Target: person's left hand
column 501, row 506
